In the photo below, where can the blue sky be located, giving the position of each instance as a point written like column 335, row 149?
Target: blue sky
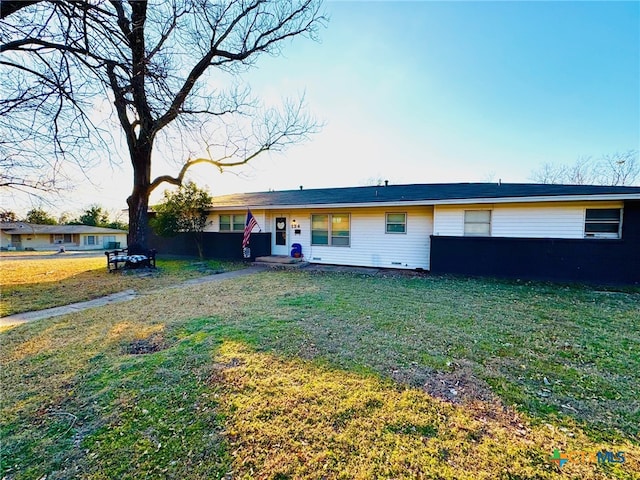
column 452, row 91
column 458, row 91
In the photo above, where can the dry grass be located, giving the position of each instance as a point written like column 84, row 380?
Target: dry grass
column 297, row 419
column 23, row 271
column 34, row 253
column 39, row 283
column 291, row 375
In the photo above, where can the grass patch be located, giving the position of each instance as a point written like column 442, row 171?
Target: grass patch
column 28, row 253
column 303, row 375
column 39, row 283
column 295, row 419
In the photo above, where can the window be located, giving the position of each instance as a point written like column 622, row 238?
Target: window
column 232, row 223
column 602, row 222
column 62, row 238
column 477, row 223
column 92, row 240
column 330, row 229
column 319, row 229
column 340, row 230
column 396, row 223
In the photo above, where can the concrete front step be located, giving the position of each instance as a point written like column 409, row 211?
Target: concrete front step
column 281, row 261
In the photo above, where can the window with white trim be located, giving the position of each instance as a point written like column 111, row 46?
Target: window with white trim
column 602, row 222
column 477, row 223
column 331, row 229
column 396, row 223
column 232, row 223
column 92, row 240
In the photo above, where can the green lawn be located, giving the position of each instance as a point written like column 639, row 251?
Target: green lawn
column 324, row 375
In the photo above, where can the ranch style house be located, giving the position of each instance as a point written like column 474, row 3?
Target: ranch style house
column 30, row 236
column 581, row 233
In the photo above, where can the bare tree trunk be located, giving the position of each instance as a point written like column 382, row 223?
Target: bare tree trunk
column 138, row 201
column 198, row 237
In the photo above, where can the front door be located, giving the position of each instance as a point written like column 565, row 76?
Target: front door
column 16, row 241
column 280, row 236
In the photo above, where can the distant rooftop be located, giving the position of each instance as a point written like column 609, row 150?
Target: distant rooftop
column 434, row 192
column 26, row 228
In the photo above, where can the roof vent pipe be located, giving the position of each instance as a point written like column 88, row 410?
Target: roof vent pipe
column 300, row 187
column 386, row 183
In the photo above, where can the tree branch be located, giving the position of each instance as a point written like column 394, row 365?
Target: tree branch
column 16, row 44
column 121, row 107
column 139, row 70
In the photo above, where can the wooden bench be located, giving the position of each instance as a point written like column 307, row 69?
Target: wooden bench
column 124, row 258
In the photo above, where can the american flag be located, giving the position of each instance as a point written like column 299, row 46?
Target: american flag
column 248, row 226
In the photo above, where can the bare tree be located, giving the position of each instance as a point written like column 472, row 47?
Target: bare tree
column 619, row 168
column 375, row 181
column 22, row 173
column 614, row 169
column 165, row 67
column 582, row 172
column 549, row 173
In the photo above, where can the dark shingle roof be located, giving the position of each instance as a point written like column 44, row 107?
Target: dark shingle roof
column 412, row 193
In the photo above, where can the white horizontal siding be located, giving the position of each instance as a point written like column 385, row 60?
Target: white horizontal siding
column 369, row 245
column 538, row 222
column 448, row 221
column 547, row 220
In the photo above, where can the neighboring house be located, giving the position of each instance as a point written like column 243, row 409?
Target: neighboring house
column 26, row 236
column 564, row 232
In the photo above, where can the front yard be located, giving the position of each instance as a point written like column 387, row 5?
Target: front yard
column 325, row 375
column 37, row 283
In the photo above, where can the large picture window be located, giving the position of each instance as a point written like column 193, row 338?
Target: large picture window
column 330, row 229
column 62, row 238
column 477, row 223
column 232, row 223
column 396, row 223
column 602, row 222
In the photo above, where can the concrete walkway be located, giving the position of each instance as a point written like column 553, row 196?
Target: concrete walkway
column 125, row 296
